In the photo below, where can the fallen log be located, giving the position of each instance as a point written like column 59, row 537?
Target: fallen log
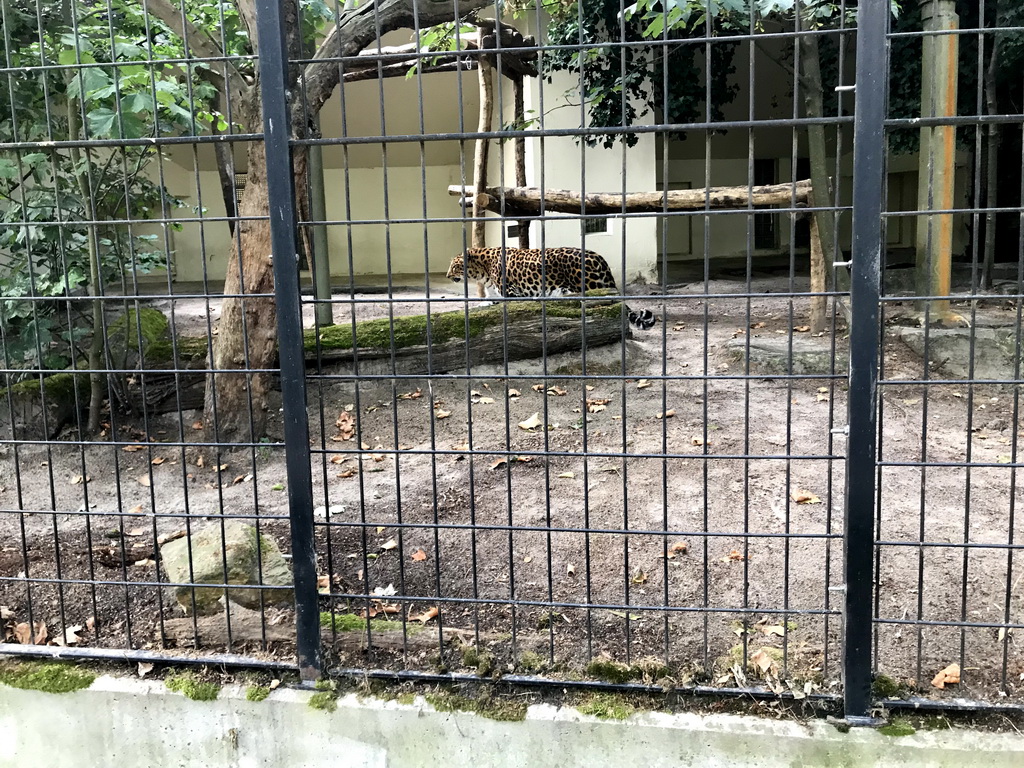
column 515, row 202
column 481, row 336
column 167, row 382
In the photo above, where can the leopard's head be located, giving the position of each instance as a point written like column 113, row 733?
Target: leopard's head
column 455, row 269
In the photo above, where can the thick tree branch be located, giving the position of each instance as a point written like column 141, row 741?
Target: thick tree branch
column 358, row 28
column 202, row 46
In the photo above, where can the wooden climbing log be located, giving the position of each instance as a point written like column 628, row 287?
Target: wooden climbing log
column 526, row 201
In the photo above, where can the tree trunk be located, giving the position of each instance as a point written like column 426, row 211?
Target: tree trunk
column 82, row 173
column 226, row 171
column 479, row 239
column 991, row 166
column 814, row 107
column 519, row 150
column 247, row 335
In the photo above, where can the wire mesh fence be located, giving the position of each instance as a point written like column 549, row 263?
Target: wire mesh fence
column 575, row 346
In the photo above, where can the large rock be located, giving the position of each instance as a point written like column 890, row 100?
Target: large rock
column 950, row 353
column 773, row 355
column 251, row 558
column 40, row 410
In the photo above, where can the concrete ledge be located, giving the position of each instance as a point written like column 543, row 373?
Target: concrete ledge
column 122, row 721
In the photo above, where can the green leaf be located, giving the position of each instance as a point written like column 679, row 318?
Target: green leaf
column 102, row 122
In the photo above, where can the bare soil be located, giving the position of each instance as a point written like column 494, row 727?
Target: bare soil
column 555, row 541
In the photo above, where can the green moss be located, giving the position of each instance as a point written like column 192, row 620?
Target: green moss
column 407, row 698
column 505, row 708
column 483, row 661
column 351, row 622
column 324, row 700
column 531, row 662
column 47, row 676
column 192, row 686
column 60, row 387
column 189, row 348
column 611, row 671
column 935, row 723
column 885, row 687
column 257, row 692
column 650, row 669
column 150, row 323
column 411, row 330
column 607, row 706
column 446, row 701
column 898, row 727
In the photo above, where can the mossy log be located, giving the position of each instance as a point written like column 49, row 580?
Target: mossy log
column 172, row 376
column 477, row 337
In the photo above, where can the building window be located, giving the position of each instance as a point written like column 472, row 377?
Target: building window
column 595, row 226
column 240, row 179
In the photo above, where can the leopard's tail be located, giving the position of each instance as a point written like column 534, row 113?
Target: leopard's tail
column 643, row 320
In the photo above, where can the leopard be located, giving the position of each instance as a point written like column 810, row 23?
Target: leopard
column 517, row 273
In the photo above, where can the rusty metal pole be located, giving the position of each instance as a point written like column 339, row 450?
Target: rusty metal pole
column 937, row 163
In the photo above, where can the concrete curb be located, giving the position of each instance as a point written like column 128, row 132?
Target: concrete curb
column 140, row 723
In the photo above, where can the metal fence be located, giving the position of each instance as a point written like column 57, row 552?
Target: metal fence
column 799, row 484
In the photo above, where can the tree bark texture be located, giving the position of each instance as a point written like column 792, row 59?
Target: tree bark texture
column 247, row 332
column 810, row 82
column 525, row 201
column 484, row 125
column 519, row 150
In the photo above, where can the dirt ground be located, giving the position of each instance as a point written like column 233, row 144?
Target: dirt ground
column 554, row 541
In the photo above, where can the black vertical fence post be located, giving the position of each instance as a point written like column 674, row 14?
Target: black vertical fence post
column 273, row 67
column 869, row 148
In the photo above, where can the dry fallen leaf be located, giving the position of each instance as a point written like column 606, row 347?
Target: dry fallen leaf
column 734, row 556
column 514, row 393
column 426, row 616
column 440, row 413
column 949, row 676
column 132, row 448
column 557, row 391
column 144, row 480
column 79, row 479
column 350, row 472
column 419, row 555
column 568, row 475
column 158, row 460
column 802, row 328
column 531, row 423
column 537, row 387
column 197, row 425
column 323, row 584
column 639, row 577
column 679, row 548
column 778, row 630
column 667, row 414
column 570, row 570
column 643, row 384
column 346, row 426
column 499, row 463
column 389, row 544
column 411, row 395
column 761, row 660
column 145, row 667
column 804, row 497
